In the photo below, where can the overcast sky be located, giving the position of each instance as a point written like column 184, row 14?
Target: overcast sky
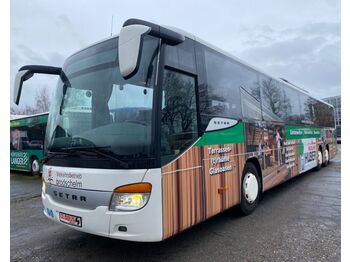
column 295, row 39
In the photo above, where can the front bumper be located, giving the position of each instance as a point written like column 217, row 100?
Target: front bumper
column 143, row 225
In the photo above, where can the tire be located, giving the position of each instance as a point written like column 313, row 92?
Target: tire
column 319, row 159
column 250, row 189
column 326, row 157
column 34, row 166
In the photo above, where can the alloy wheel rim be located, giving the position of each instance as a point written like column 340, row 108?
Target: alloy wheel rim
column 35, row 166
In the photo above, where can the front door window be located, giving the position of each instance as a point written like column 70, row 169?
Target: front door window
column 179, row 114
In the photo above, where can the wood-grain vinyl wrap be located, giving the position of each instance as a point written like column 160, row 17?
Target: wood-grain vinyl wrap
column 191, row 194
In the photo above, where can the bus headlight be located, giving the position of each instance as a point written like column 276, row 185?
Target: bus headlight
column 128, row 201
column 130, row 197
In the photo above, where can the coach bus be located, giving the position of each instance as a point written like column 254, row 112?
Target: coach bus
column 27, row 142
column 153, row 131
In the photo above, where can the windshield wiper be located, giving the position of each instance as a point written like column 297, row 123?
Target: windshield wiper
column 80, row 148
column 93, row 149
column 53, row 154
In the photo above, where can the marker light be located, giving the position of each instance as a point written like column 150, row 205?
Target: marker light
column 130, row 197
column 43, row 185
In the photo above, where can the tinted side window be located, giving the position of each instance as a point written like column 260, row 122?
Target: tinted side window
column 179, row 114
column 275, row 104
column 248, row 80
column 18, row 137
column 324, row 115
column 181, row 56
column 331, row 122
column 280, row 102
column 27, row 137
column 307, row 111
column 290, row 104
column 319, row 113
column 222, row 94
column 250, row 92
column 35, row 136
column 250, row 106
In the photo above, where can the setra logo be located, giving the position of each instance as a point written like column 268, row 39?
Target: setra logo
column 69, row 196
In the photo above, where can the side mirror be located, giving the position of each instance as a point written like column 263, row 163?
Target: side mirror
column 129, row 48
column 26, row 72
column 20, row 78
column 130, row 43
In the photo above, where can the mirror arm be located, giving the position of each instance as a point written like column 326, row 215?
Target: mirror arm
column 26, row 72
column 169, row 37
column 39, row 69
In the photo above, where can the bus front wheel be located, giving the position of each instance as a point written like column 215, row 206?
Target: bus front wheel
column 319, row 159
column 34, row 166
column 250, row 189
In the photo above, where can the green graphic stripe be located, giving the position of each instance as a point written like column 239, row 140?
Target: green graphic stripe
column 232, row 135
column 298, row 132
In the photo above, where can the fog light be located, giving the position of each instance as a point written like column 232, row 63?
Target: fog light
column 122, row 228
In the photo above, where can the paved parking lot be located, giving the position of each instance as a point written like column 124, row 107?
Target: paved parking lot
column 297, row 221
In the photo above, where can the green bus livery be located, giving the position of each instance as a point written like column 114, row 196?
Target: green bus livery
column 27, row 142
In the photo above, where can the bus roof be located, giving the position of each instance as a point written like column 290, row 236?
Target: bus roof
column 21, row 120
column 14, row 117
column 199, row 40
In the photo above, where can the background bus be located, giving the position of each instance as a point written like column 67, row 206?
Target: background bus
column 27, row 142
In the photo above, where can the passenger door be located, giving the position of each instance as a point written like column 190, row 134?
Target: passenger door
column 179, row 128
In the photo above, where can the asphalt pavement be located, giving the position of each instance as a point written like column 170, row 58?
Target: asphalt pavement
column 296, row 221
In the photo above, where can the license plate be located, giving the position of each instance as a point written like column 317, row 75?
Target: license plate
column 70, row 219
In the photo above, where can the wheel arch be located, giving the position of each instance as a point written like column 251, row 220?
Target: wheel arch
column 32, row 157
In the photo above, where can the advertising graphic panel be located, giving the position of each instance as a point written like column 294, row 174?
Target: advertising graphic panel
column 307, row 154
column 206, row 179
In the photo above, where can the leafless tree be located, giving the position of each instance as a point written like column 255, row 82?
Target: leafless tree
column 42, row 100
column 42, row 105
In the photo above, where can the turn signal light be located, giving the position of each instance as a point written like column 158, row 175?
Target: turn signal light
column 134, row 188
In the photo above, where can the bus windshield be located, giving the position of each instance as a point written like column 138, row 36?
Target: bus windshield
column 94, row 107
